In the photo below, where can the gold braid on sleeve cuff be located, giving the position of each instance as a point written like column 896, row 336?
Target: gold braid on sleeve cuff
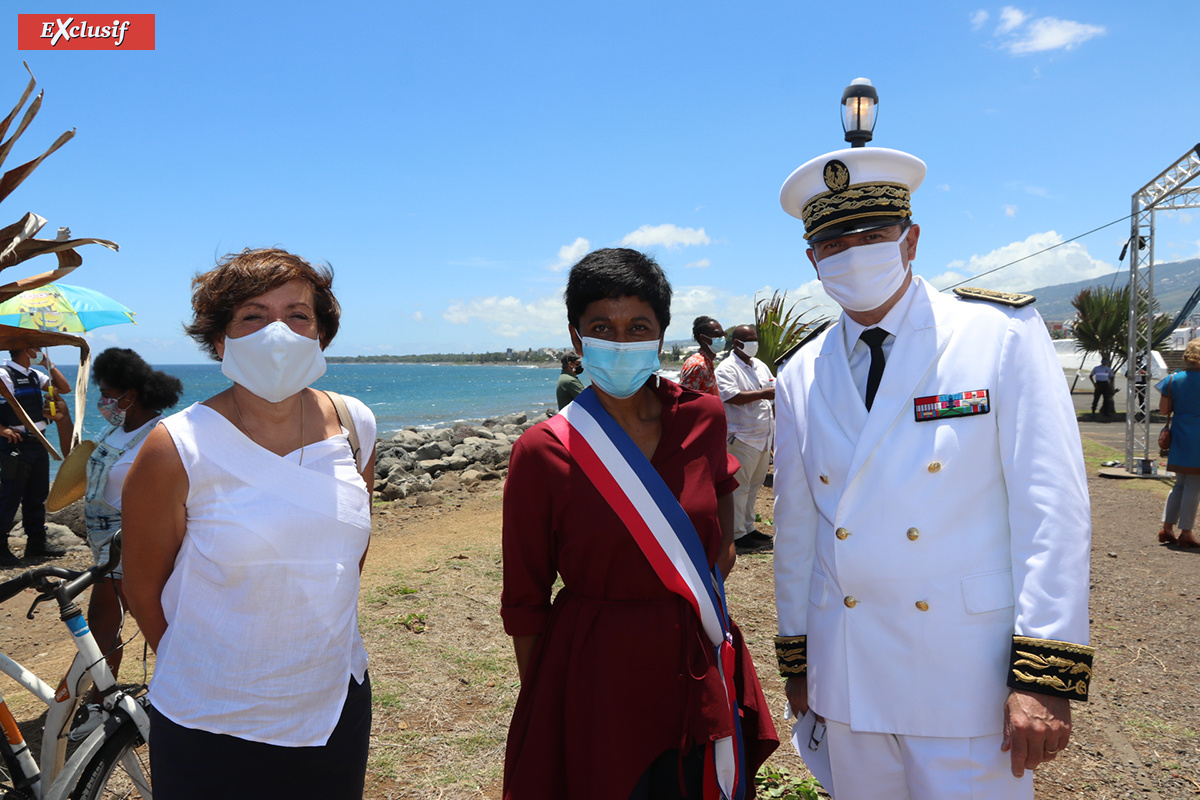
column 1047, row 666
column 792, row 652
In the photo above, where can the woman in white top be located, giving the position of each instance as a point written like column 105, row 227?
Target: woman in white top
column 246, row 523
column 132, row 397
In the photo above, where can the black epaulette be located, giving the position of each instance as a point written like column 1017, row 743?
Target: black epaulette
column 791, row 351
column 992, row 296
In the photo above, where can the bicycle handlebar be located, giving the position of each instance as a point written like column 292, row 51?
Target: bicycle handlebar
column 78, row 579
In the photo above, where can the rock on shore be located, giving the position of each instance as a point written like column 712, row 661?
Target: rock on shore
column 415, row 462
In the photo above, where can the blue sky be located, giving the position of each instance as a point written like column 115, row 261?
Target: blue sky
column 450, row 160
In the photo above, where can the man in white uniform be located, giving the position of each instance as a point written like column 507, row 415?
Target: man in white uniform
column 932, row 527
column 747, row 388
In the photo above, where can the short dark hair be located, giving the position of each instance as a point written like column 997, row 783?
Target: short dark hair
column 122, row 369
column 238, row 277
column 617, row 272
column 568, row 357
column 698, row 326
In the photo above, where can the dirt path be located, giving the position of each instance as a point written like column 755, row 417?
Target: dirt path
column 445, row 682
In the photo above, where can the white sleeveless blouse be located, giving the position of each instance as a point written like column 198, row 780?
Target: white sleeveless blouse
column 262, row 604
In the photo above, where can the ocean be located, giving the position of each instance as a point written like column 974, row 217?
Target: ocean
column 401, row 395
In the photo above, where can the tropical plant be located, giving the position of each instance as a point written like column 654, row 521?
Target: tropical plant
column 1102, row 323
column 779, row 327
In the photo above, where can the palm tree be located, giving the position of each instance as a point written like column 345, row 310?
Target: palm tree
column 1102, row 324
column 779, row 327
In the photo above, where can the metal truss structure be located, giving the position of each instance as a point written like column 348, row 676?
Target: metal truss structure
column 1168, row 192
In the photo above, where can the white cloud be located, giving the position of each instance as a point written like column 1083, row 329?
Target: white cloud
column 944, row 187
column 417, row 316
column 1011, row 19
column 1049, row 33
column 666, row 236
column 568, row 254
column 979, row 19
column 1070, row 262
column 511, row 317
column 1010, row 211
column 701, row 264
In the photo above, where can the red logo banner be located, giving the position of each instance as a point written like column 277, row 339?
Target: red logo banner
column 85, row 31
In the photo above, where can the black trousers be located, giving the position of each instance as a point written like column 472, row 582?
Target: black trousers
column 27, row 493
column 1103, row 396
column 670, row 777
column 189, row 764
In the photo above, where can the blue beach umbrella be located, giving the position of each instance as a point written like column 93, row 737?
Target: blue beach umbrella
column 63, row 308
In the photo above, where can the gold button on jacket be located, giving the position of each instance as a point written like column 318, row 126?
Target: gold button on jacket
column 850, row 602
column 934, row 466
column 825, row 479
column 922, row 605
column 841, row 533
column 913, row 534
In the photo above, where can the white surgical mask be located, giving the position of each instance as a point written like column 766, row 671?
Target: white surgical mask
column 863, row 278
column 274, row 362
column 37, row 358
column 620, row 368
column 750, row 349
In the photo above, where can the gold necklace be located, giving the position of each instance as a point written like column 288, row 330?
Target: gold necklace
column 242, row 423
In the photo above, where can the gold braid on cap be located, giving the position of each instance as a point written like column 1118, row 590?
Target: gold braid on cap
column 792, row 652
column 860, row 201
column 1047, row 666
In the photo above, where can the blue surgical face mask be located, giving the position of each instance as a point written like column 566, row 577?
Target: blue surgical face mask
column 718, row 344
column 619, row 369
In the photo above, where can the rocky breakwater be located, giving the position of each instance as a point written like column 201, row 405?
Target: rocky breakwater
column 423, row 464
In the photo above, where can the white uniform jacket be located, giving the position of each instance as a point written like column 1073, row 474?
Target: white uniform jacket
column 910, row 553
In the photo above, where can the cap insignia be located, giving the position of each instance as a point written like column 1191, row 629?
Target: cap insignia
column 837, row 175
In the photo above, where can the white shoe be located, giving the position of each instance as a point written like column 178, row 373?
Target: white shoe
column 87, row 719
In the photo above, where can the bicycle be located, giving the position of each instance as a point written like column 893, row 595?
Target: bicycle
column 112, row 761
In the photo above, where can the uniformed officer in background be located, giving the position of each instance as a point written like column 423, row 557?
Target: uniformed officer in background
column 932, row 525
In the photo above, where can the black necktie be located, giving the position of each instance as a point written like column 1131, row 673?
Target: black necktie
column 874, row 339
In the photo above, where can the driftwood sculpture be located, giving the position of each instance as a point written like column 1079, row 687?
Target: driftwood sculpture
column 18, row 245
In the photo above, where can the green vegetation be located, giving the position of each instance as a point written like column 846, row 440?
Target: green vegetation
column 1102, row 323
column 777, row 782
column 779, row 327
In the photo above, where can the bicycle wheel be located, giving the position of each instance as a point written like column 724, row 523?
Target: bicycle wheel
column 120, row 769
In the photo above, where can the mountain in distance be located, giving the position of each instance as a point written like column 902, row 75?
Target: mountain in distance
column 1174, row 283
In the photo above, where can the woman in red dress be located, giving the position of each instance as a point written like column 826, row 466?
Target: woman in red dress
column 620, row 692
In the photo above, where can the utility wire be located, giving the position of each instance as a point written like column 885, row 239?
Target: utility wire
column 1038, row 253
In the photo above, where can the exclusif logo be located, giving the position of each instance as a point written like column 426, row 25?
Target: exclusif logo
column 85, row 31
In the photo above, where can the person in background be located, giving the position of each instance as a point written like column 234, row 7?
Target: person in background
column 621, row 691
column 1101, row 377
column 932, row 524
column 246, row 523
column 1181, row 399
column 132, row 398
column 697, row 373
column 26, row 481
column 569, row 385
column 747, row 388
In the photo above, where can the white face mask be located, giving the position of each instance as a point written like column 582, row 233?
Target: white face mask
column 863, row 278
column 749, row 349
column 620, row 368
column 274, row 362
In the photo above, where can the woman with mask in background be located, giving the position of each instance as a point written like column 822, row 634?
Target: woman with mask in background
column 246, row 524
column 132, row 397
column 629, row 677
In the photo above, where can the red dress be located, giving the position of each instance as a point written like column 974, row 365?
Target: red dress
column 622, row 671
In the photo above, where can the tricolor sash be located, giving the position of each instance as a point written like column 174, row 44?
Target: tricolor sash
column 666, row 536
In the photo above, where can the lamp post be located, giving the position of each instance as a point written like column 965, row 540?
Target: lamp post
column 858, row 111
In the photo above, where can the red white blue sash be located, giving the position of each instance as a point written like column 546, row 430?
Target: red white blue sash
column 662, row 529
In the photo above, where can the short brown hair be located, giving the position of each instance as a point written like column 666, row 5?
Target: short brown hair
column 240, row 276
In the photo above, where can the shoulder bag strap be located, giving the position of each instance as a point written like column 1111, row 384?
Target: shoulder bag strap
column 347, row 422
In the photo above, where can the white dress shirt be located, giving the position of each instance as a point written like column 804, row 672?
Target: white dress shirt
column 860, row 353
column 752, row 423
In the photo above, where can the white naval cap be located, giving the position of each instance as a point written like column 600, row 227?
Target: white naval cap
column 853, row 190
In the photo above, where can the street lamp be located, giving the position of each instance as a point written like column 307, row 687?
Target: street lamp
column 858, row 111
